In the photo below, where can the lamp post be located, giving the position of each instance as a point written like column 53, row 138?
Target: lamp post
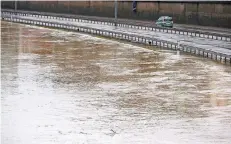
column 116, row 7
column 15, row 5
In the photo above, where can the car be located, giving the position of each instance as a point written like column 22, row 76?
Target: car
column 165, row 21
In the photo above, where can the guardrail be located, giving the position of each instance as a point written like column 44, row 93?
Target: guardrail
column 124, row 36
column 110, row 21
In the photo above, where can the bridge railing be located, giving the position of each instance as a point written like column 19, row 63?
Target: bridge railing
column 123, row 23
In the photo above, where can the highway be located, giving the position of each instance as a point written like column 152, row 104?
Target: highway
column 208, row 44
column 149, row 23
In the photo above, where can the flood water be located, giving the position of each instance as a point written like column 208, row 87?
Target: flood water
column 60, row 87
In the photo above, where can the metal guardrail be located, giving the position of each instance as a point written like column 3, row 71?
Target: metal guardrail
column 124, row 36
column 110, row 21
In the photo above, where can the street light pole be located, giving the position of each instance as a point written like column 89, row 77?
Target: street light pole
column 15, row 5
column 116, row 7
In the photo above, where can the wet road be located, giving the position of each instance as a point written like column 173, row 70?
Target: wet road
column 223, row 47
column 139, row 22
column 66, row 88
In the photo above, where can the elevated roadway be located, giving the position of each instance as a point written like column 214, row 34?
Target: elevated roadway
column 204, row 43
column 200, row 31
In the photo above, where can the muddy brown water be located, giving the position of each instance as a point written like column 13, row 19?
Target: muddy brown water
column 71, row 88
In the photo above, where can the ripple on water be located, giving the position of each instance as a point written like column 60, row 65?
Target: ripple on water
column 93, row 90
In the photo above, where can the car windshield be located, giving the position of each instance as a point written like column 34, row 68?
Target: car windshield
column 165, row 19
column 168, row 19
column 160, row 19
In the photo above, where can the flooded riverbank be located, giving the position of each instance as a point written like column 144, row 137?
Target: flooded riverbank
column 65, row 87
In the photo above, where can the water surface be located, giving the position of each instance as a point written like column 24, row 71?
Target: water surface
column 65, row 88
